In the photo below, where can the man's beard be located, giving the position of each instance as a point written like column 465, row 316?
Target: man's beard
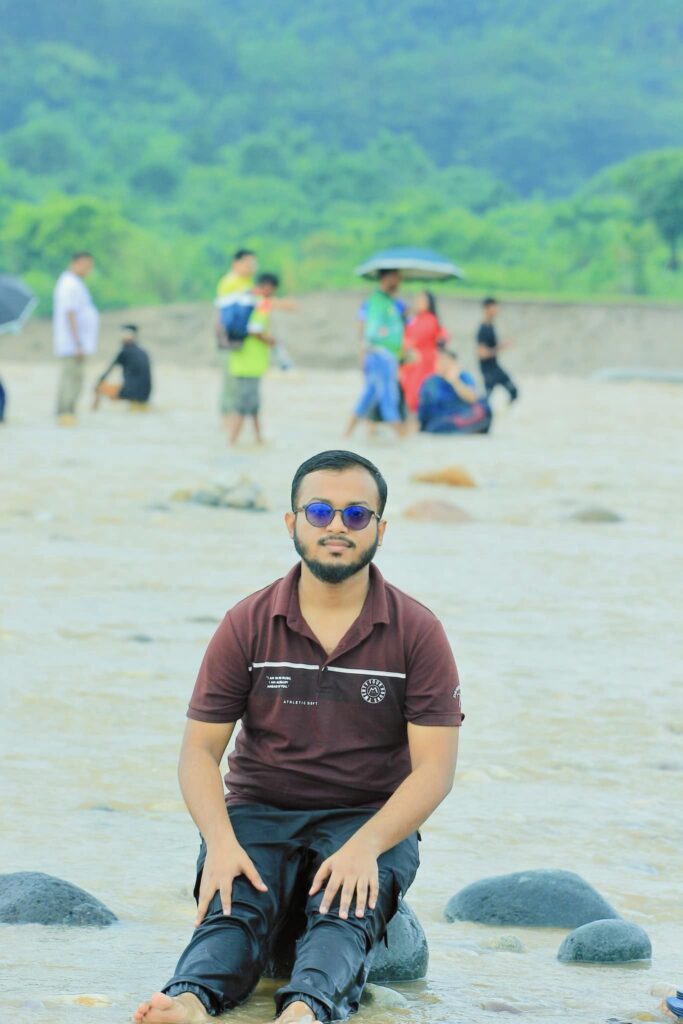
column 328, row 572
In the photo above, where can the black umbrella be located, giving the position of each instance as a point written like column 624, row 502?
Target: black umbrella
column 17, row 302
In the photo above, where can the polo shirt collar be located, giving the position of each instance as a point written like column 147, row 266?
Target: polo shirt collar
column 286, row 602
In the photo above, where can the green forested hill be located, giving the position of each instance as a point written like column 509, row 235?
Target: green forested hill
column 165, row 132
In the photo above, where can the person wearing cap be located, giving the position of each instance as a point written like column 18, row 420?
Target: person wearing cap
column 349, row 702
column 136, row 386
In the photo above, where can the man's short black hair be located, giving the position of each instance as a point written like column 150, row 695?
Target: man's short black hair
column 241, row 253
column 490, row 301
column 81, row 255
column 386, row 271
column 133, row 328
column 337, row 461
column 268, row 278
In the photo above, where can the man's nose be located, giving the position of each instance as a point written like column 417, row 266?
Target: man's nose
column 337, row 523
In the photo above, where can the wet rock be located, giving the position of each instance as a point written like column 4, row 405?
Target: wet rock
column 500, row 1006
column 405, row 955
column 595, row 514
column 552, row 899
column 405, row 958
column 245, row 494
column 451, row 476
column 140, row 638
column 506, row 944
column 381, row 998
column 606, row 942
column 437, row 512
column 31, row 897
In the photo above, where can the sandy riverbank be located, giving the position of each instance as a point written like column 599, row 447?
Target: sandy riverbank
column 550, row 337
column 567, row 635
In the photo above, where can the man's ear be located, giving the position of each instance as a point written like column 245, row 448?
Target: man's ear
column 290, row 520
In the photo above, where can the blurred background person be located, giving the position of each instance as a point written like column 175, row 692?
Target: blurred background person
column 449, row 403
column 239, row 278
column 76, row 324
column 488, row 348
column 423, row 334
column 137, row 372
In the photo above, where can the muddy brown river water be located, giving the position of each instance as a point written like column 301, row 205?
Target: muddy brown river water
column 567, row 635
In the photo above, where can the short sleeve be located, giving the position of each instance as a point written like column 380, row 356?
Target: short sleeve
column 224, row 681
column 71, row 295
column 432, row 685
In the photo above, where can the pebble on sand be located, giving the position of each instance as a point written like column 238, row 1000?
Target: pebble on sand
column 500, row 1006
column 606, row 942
column 31, row 897
column 594, row 514
column 437, row 512
column 245, row 494
column 452, row 476
column 551, row 899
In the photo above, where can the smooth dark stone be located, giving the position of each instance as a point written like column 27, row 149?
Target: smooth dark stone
column 30, row 897
column 606, row 942
column 405, row 958
column 553, row 899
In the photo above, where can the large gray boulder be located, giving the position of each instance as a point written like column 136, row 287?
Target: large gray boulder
column 30, row 897
column 606, row 942
column 403, row 958
column 552, row 899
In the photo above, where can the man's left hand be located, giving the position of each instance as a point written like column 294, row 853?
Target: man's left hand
column 353, row 870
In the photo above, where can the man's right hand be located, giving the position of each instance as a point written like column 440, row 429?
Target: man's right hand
column 225, row 861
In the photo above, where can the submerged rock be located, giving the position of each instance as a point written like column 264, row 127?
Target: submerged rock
column 381, row 998
column 404, row 958
column 452, row 476
column 31, row 897
column 437, row 512
column 606, row 942
column 552, row 899
column 506, row 944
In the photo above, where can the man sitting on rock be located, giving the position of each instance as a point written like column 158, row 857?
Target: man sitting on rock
column 349, row 701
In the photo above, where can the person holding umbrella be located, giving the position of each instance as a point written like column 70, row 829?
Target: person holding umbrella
column 76, row 329
column 17, row 302
column 383, row 339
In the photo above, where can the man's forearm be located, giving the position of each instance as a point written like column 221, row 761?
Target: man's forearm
column 202, row 788
column 408, row 808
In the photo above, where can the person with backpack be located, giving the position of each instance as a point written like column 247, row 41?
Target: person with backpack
column 246, row 323
column 238, row 279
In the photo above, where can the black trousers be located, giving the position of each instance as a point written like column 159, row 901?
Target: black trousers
column 494, row 375
column 226, row 955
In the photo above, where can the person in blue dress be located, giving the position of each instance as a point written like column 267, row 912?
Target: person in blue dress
column 449, row 403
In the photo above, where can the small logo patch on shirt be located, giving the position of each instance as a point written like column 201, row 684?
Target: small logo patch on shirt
column 373, row 691
column 456, row 693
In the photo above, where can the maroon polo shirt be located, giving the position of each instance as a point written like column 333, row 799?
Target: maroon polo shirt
column 323, row 731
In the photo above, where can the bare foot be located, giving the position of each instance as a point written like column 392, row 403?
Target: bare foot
column 297, row 1013
column 182, row 1009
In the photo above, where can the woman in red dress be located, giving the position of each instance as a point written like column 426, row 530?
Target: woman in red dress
column 421, row 340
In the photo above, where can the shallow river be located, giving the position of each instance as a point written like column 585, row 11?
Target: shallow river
column 567, row 636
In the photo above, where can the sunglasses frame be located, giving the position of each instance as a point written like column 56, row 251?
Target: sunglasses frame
column 341, row 511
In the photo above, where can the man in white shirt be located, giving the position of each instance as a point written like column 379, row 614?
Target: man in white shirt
column 76, row 327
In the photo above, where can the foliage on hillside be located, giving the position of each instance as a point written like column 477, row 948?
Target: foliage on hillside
column 163, row 135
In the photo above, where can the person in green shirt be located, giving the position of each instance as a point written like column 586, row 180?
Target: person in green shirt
column 383, row 343
column 248, row 363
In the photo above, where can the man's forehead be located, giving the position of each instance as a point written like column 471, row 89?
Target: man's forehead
column 354, row 483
